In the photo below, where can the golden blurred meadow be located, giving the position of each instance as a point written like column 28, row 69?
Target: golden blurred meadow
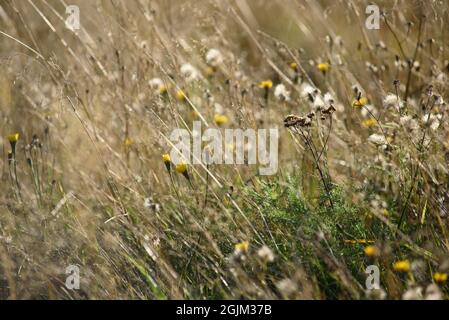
column 87, row 179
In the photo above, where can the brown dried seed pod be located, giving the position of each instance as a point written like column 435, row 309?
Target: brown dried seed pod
column 292, row 120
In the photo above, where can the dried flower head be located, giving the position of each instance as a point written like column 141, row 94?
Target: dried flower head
column 296, row 121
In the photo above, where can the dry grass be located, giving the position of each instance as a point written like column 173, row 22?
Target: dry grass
column 87, row 184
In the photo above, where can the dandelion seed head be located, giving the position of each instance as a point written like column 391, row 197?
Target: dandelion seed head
column 281, row 92
column 189, row 72
column 266, row 254
column 377, row 139
column 214, row 57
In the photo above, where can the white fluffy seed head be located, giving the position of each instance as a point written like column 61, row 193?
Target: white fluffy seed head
column 377, row 139
column 214, row 57
column 281, row 92
column 156, row 84
column 391, row 100
column 328, row 99
column 189, row 72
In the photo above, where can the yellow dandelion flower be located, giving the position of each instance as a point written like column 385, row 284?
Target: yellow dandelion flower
column 266, row 84
column 220, row 119
column 167, row 161
column 371, row 122
column 128, row 142
column 181, row 167
column 362, row 101
column 440, row 277
column 371, row 251
column 209, row 71
column 323, row 67
column 163, row 89
column 242, row 246
column 180, row 95
column 166, row 157
column 14, row 137
column 293, row 66
column 402, row 266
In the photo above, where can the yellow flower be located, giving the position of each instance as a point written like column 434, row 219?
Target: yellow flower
column 14, row 137
column 181, row 167
column 180, row 95
column 371, row 122
column 220, row 119
column 163, row 89
column 242, row 246
column 440, row 277
column 294, row 66
column 402, row 266
column 371, row 251
column 266, row 84
column 209, row 71
column 128, row 142
column 360, row 102
column 323, row 67
column 166, row 157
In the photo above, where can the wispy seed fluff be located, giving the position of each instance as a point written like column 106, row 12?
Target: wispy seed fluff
column 409, row 123
column 189, row 72
column 156, row 84
column 328, row 99
column 433, row 119
column 214, row 57
column 307, row 91
column 391, row 100
column 377, row 139
column 281, row 92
